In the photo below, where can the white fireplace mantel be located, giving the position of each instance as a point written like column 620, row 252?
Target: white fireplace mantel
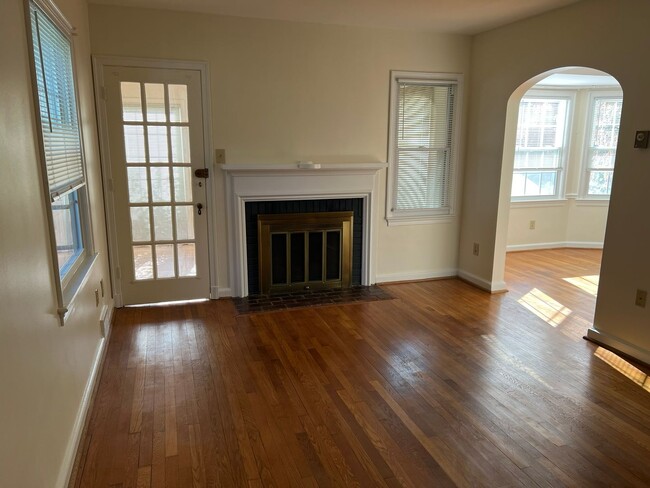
column 266, row 182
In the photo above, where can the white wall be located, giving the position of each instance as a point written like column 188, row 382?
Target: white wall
column 501, row 62
column 286, row 91
column 44, row 368
column 567, row 223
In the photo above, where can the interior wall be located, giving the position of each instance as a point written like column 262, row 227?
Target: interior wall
column 501, row 62
column 285, row 91
column 44, row 367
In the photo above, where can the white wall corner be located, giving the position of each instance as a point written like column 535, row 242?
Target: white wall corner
column 621, row 345
column 483, row 284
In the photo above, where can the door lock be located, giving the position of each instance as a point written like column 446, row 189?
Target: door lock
column 199, row 207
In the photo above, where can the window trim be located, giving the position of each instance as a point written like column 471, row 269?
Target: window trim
column 67, row 287
column 560, row 189
column 583, row 187
column 412, row 217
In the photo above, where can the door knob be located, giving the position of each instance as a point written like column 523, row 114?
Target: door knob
column 199, row 206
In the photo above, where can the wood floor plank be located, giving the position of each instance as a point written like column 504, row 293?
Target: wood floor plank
column 445, row 385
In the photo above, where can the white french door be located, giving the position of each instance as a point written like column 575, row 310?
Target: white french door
column 154, row 123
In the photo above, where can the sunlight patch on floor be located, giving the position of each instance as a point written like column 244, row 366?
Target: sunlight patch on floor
column 588, row 284
column 624, row 367
column 542, row 305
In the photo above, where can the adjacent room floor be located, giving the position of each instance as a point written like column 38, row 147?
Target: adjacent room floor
column 444, row 385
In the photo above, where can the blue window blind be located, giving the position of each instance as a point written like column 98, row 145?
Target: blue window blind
column 57, row 105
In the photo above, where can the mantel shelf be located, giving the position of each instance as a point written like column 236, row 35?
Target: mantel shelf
column 324, row 168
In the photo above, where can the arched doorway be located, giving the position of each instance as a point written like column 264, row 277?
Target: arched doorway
column 559, row 150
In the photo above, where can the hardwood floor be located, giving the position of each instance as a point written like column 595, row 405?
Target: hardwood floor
column 445, row 385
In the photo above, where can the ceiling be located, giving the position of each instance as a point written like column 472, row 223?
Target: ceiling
column 458, row 16
column 579, row 80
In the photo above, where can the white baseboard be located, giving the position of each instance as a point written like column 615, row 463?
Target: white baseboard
column 224, row 292
column 554, row 245
column 77, row 430
column 492, row 287
column 619, row 344
column 417, row 275
column 80, row 421
column 105, row 320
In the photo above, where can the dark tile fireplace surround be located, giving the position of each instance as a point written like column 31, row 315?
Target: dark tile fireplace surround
column 253, row 209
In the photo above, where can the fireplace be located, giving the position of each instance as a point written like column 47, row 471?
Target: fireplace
column 303, row 210
column 261, row 189
column 304, row 251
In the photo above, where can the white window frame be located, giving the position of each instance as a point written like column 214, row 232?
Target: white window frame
column 560, row 188
column 68, row 286
column 614, row 93
column 409, row 217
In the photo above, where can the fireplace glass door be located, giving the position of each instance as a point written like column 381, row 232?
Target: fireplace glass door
column 307, row 251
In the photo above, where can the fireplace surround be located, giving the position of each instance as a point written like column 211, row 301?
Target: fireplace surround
column 288, row 182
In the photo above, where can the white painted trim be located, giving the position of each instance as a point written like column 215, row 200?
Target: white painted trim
column 273, row 182
column 99, row 65
column 441, row 219
column 554, row 245
column 556, row 202
column 224, row 292
column 417, row 275
column 105, row 319
column 267, row 169
column 74, row 440
column 619, row 344
column 492, row 287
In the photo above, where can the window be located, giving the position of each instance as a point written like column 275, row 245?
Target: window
column 61, row 144
column 540, row 147
column 600, row 153
column 422, row 150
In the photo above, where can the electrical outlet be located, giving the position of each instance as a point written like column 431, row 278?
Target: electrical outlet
column 531, row 225
column 220, row 156
column 476, row 249
column 641, row 298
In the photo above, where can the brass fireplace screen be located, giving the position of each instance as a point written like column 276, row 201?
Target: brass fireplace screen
column 304, row 251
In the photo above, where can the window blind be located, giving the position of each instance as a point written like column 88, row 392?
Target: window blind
column 540, row 133
column 424, row 145
column 57, row 105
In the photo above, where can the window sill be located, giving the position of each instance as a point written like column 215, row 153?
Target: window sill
column 74, row 286
column 555, row 202
column 420, row 220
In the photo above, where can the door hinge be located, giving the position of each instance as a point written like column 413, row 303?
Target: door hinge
column 102, row 92
column 118, row 273
column 109, row 184
column 202, row 173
